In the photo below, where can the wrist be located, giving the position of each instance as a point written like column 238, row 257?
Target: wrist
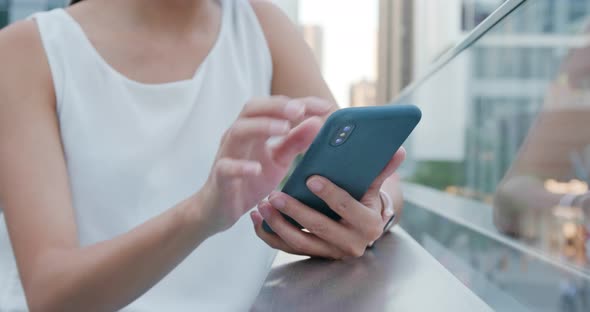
column 388, row 213
column 196, row 211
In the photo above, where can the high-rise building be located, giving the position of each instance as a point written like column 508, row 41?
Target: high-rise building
column 290, row 7
column 500, row 114
column 363, row 93
column 395, row 48
column 314, row 36
column 484, row 101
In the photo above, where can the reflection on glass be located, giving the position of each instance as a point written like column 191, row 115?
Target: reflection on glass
column 544, row 196
column 507, row 122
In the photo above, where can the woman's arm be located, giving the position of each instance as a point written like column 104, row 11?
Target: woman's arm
column 57, row 273
column 60, row 275
column 295, row 70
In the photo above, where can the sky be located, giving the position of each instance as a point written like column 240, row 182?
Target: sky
column 350, row 40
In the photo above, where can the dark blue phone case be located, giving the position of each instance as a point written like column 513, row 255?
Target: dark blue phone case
column 378, row 132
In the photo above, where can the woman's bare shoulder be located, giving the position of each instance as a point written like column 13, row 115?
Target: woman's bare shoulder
column 22, row 59
column 271, row 17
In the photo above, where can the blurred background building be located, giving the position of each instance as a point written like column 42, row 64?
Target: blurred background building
column 363, row 93
column 509, row 73
column 395, row 52
column 495, row 92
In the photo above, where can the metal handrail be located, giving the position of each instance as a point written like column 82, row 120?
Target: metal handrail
column 480, row 30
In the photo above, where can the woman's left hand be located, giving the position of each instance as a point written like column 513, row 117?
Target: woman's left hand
column 361, row 224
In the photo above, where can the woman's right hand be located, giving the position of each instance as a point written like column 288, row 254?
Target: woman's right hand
column 247, row 168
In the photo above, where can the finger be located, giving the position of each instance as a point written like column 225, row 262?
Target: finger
column 360, row 217
column 298, row 240
column 336, row 234
column 389, row 169
column 315, row 106
column 387, row 203
column 297, row 141
column 233, row 168
column 277, row 107
column 273, row 241
column 259, row 127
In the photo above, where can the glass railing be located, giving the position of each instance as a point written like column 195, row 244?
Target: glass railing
column 506, row 128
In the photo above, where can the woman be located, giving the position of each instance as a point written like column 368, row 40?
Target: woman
column 132, row 140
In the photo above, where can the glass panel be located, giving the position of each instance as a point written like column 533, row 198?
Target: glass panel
column 507, row 122
column 504, row 277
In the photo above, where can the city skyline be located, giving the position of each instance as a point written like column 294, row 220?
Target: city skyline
column 363, row 93
column 349, row 45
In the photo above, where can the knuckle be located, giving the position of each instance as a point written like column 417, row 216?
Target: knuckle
column 336, row 255
column 250, row 104
column 281, row 98
column 231, row 131
column 342, row 205
column 318, row 228
column 220, row 165
column 374, row 233
column 298, row 245
column 272, row 221
column 374, row 229
column 359, row 252
column 356, row 251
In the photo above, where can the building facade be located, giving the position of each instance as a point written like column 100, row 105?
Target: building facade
column 395, row 48
column 363, row 93
column 484, row 102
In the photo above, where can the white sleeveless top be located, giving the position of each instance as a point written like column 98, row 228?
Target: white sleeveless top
column 133, row 150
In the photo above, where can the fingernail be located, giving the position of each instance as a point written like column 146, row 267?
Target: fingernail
column 278, row 127
column 294, row 109
column 256, row 217
column 315, row 185
column 277, row 202
column 264, row 210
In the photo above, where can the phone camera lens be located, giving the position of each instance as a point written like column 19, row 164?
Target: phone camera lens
column 342, row 134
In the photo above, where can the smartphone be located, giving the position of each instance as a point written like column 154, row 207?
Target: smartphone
column 351, row 150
